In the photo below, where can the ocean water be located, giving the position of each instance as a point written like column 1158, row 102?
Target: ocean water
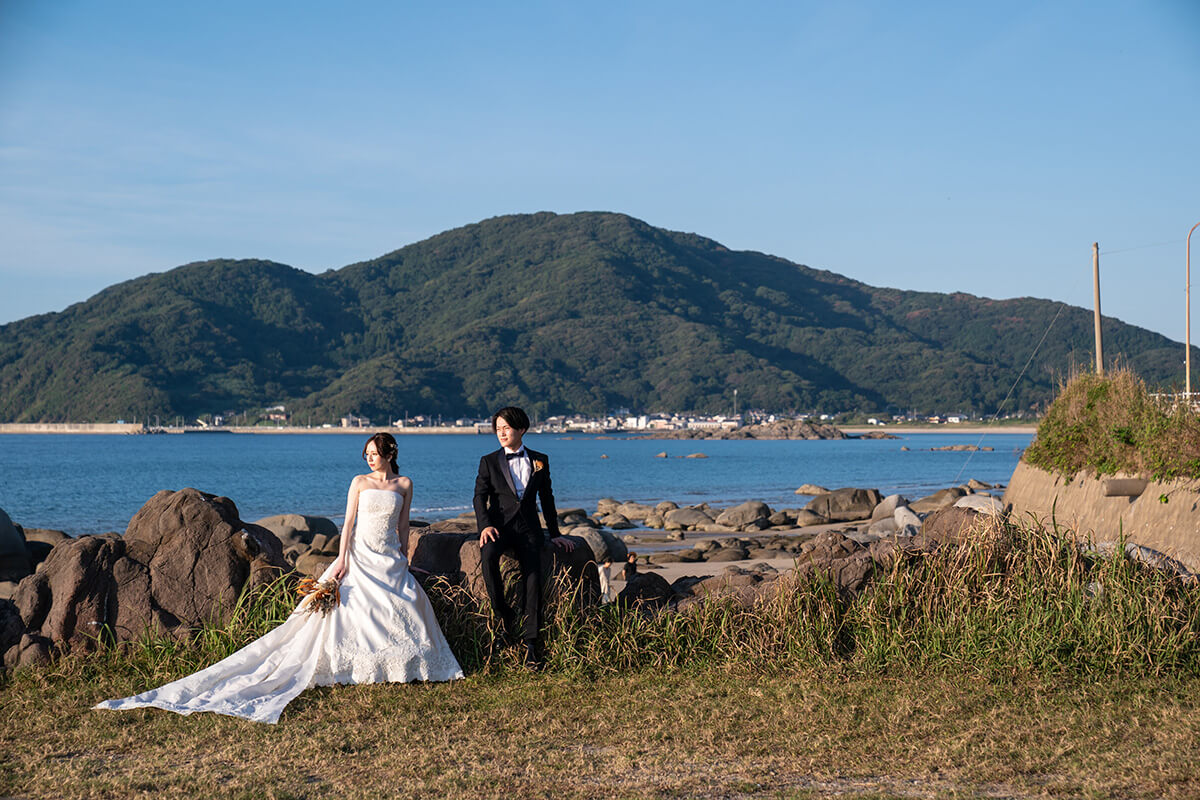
column 92, row 484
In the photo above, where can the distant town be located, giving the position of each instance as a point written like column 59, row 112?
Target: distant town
column 619, row 420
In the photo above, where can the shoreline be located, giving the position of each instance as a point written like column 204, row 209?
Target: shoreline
column 944, row 429
column 139, row 429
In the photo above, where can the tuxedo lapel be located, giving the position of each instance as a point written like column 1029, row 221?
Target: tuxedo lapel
column 502, row 466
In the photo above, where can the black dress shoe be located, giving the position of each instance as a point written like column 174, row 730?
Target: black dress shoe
column 501, row 641
column 534, row 660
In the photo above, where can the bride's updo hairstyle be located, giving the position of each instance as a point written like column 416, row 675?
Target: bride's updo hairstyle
column 385, row 445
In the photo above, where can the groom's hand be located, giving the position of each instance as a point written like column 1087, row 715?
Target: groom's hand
column 488, row 534
column 563, row 542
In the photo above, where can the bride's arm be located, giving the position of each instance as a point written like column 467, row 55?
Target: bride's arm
column 342, row 563
column 406, row 491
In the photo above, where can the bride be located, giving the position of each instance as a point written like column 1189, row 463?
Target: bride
column 382, row 630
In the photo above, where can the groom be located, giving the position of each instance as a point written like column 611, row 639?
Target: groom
column 510, row 482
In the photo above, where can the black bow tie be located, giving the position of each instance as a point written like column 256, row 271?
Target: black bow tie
column 511, row 456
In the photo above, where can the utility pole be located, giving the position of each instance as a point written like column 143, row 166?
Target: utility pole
column 1096, row 296
column 1187, row 322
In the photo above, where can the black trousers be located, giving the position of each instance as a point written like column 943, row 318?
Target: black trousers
column 529, row 559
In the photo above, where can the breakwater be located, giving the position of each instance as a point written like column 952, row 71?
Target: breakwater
column 72, row 427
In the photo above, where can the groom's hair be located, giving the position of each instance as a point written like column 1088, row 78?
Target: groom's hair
column 514, row 416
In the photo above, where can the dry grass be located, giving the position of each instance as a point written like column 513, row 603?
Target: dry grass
column 1012, row 666
column 1109, row 423
column 712, row 733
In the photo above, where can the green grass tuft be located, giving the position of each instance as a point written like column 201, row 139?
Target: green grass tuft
column 1109, row 424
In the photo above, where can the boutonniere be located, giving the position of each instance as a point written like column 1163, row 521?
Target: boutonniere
column 538, row 466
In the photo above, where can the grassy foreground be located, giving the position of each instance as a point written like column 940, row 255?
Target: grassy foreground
column 1015, row 665
column 708, row 733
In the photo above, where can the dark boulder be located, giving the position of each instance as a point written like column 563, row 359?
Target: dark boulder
column 646, row 589
column 952, row 525
column 751, row 514
column 298, row 529
column 846, row 562
column 14, row 555
column 455, row 557
column 184, row 560
column 845, row 505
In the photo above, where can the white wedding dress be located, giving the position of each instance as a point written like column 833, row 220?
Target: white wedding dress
column 383, row 630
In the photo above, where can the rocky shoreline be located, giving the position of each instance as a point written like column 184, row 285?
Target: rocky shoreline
column 780, row 429
column 186, row 557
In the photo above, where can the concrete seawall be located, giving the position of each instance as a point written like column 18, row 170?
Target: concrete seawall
column 1161, row 516
column 71, row 427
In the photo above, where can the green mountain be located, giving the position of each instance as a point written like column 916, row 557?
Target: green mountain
column 560, row 313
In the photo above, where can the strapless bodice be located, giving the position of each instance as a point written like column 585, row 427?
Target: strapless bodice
column 378, row 513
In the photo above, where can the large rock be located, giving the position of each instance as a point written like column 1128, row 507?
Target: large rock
column 183, row 561
column 939, row 499
column 983, row 503
column 11, row 626
column 603, row 545
column 14, row 555
column 685, row 519
column 952, row 525
column 30, row 651
column 846, row 562
column 805, row 518
column 887, row 507
column 438, row 552
column 294, row 529
column 571, row 517
column 906, row 518
column 634, row 510
column 45, row 536
column 314, row 563
column 646, row 589
column 40, row 541
column 617, row 522
column 883, row 527
column 606, row 506
column 783, row 518
column 744, row 515
column 728, row 554
column 845, row 505
column 455, row 557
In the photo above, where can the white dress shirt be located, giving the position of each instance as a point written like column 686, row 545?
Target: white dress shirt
column 520, row 468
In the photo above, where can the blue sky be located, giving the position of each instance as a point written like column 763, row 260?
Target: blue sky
column 976, row 147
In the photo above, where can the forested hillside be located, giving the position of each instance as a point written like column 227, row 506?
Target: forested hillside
column 562, row 313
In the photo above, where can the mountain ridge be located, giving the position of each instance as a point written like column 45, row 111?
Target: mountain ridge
column 559, row 312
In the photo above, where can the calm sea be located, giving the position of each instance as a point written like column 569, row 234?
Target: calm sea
column 91, row 484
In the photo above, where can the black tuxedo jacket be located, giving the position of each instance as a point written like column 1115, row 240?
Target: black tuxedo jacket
column 496, row 503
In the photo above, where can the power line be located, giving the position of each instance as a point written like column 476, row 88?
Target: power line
column 1000, row 407
column 1141, row 247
